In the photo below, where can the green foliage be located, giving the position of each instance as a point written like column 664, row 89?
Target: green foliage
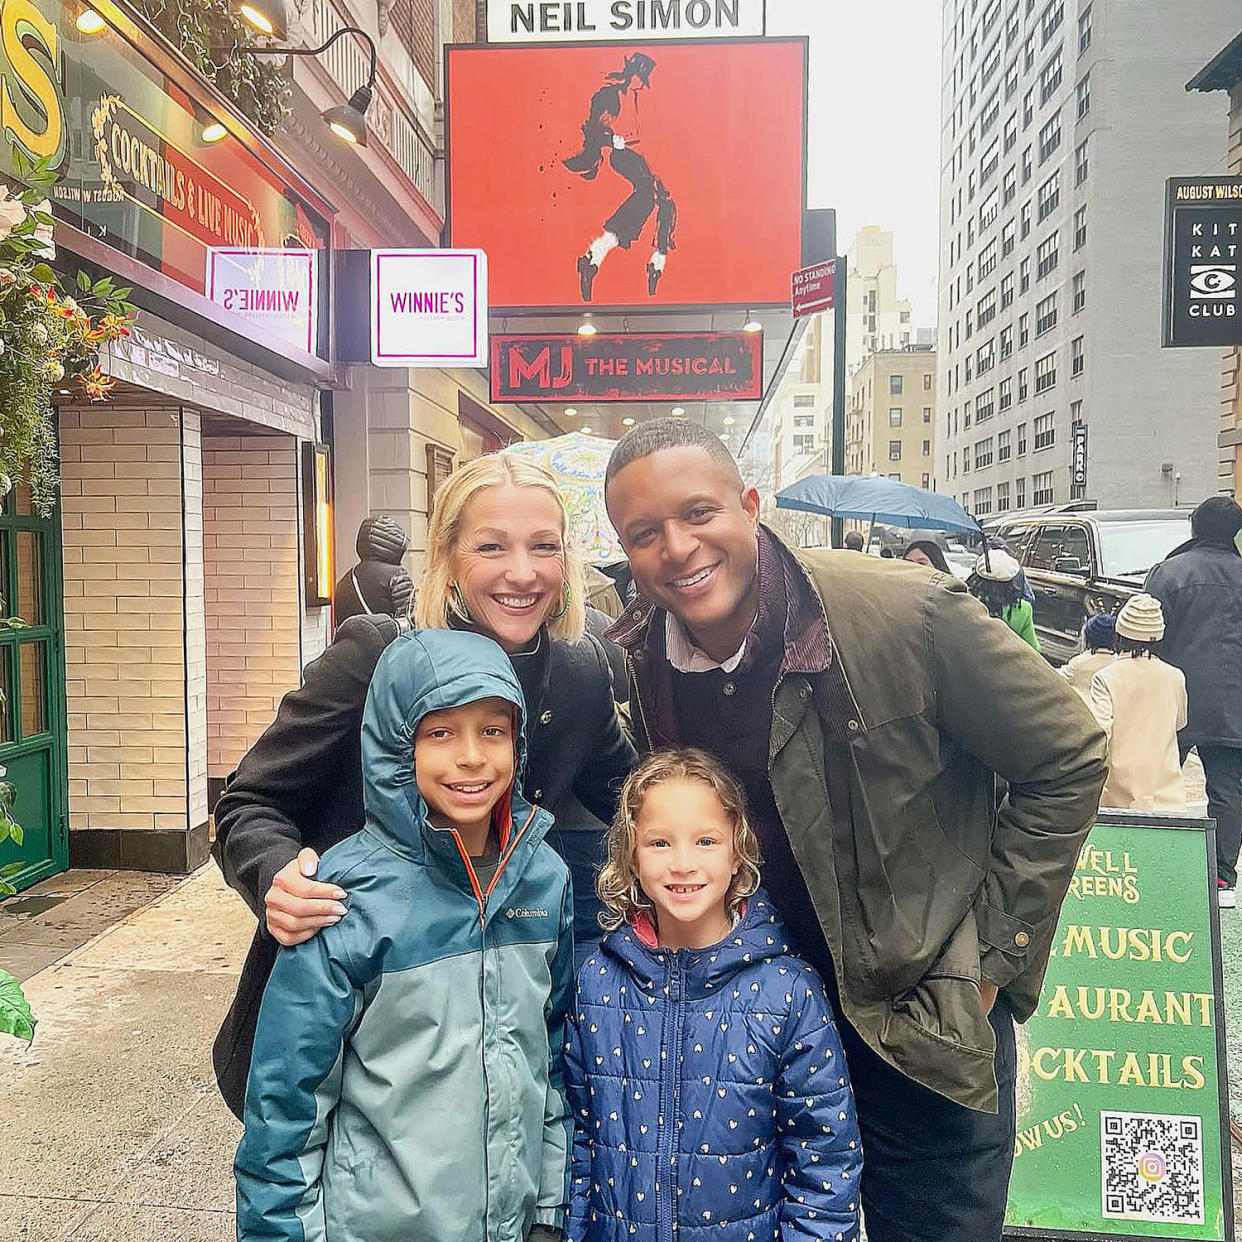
column 15, row 1016
column 207, row 33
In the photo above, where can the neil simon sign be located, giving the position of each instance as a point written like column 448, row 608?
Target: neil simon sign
column 529, row 21
column 428, row 308
column 1203, row 250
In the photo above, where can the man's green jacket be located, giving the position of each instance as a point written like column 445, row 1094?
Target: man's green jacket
column 883, row 767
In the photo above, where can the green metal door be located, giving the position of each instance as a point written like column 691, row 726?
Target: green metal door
column 33, row 725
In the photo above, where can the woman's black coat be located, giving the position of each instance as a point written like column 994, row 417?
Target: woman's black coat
column 301, row 785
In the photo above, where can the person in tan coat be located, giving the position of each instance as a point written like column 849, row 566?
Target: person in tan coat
column 1099, row 642
column 1140, row 703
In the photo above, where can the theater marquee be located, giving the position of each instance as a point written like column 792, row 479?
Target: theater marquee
column 669, row 366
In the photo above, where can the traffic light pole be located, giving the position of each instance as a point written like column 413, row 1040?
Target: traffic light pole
column 840, row 319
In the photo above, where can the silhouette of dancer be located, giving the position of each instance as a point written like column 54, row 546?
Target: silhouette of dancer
column 612, row 126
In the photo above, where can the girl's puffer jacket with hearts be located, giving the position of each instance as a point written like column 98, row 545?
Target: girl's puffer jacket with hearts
column 710, row 1096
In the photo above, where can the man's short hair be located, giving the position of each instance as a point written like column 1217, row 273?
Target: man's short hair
column 854, row 541
column 661, row 434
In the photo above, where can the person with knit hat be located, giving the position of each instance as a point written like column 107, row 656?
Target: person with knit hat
column 1200, row 586
column 995, row 583
column 1099, row 638
column 1140, row 703
column 379, row 582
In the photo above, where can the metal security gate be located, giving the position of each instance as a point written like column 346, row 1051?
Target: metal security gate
column 33, row 724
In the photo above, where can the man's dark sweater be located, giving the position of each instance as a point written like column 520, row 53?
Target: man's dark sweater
column 730, row 716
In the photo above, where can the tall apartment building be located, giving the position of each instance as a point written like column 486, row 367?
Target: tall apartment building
column 1061, row 120
column 878, row 317
column 890, row 423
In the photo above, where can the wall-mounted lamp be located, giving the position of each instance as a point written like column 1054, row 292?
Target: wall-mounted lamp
column 348, row 120
column 317, row 522
column 268, row 17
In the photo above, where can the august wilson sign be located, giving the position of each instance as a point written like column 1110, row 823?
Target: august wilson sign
column 1203, row 236
column 667, row 366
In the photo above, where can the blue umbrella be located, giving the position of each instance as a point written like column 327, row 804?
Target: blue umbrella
column 876, row 499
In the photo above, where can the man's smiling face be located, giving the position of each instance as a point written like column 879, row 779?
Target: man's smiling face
column 689, row 528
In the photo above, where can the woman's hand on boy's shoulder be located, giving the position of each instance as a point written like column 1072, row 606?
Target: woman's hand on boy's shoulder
column 297, row 905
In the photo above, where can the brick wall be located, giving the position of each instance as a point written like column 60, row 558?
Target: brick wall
column 415, row 24
column 463, row 21
column 124, row 649
column 252, row 596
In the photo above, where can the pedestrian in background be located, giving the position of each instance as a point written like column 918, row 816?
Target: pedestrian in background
column 378, row 584
column 995, row 584
column 1140, row 703
column 1099, row 637
column 694, row 1017
column 1200, row 586
column 926, row 552
column 853, row 541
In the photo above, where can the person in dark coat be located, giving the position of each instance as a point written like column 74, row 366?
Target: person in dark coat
column 497, row 564
column 1199, row 585
column 378, row 583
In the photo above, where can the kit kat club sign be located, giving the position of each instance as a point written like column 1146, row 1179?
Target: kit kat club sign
column 666, row 366
column 1203, row 249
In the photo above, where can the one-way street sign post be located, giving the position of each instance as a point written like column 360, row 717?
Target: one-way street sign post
column 814, row 289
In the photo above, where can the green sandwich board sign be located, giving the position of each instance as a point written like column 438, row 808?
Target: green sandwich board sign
column 1122, row 1105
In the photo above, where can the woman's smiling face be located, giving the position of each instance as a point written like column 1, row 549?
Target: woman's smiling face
column 510, row 561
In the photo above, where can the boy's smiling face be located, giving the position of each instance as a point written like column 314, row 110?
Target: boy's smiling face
column 464, row 760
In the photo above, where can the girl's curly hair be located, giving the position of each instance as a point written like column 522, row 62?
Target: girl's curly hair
column 617, row 882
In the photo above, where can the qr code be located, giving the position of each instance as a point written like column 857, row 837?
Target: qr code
column 1152, row 1167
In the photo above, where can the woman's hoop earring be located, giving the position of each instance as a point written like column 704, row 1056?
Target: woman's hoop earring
column 455, row 605
column 566, row 600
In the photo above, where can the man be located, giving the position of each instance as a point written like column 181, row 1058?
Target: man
column 866, row 709
column 1200, row 586
column 853, row 541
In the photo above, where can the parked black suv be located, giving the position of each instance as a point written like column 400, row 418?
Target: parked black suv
column 1079, row 563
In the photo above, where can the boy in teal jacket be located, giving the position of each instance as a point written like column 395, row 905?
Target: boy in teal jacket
column 403, row 1085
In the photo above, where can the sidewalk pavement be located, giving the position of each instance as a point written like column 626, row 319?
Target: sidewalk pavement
column 114, row 1131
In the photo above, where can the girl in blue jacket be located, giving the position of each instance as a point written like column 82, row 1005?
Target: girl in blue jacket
column 706, row 1080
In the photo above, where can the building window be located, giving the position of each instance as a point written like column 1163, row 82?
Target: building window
column 894, row 416
column 926, row 484
column 926, row 448
column 983, row 501
column 985, row 359
column 1002, row 497
column 894, row 385
column 1045, row 432
column 1080, row 228
column 1041, row 488
column 1049, row 197
column 1050, row 136
column 1021, row 439
column 894, row 450
column 1022, row 385
column 1024, row 275
column 1080, row 162
column 1047, row 256
column 803, row 444
column 965, row 461
column 1011, row 133
column 1084, row 96
column 1079, row 287
column 988, row 213
column 1006, row 342
column 1028, row 107
column 983, row 453
column 1009, row 239
column 1019, row 494
column 1050, row 79
column 985, row 403
column 1050, row 22
column 1046, row 315
column 895, row 476
column 1078, row 357
column 1028, row 165
column 1024, row 330
column 987, row 259
column 986, row 309
column 804, row 401
column 1006, row 394
column 1004, row 445
column 1045, row 373
column 990, row 162
column 1028, row 52
column 1009, row 187
column 1006, row 291
column 1084, row 30
column 927, row 414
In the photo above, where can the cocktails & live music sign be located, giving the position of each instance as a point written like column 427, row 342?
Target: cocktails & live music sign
column 666, row 366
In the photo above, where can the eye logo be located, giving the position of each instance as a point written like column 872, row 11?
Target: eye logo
column 1213, row 281
column 1152, row 1167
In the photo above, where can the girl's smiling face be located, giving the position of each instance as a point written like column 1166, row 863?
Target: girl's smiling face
column 685, row 861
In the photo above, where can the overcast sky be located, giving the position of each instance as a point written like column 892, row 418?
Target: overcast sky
column 874, row 150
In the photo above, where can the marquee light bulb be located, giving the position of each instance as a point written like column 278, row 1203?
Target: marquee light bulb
column 627, row 422
column 679, row 411
column 587, row 328
column 89, row 22
column 571, row 412
column 214, row 131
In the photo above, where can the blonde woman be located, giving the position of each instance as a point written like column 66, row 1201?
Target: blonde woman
column 498, row 564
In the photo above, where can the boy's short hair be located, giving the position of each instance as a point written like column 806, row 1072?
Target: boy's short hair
column 617, row 883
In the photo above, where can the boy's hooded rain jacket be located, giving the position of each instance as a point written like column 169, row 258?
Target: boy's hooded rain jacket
column 709, row 1092
column 402, row 1088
